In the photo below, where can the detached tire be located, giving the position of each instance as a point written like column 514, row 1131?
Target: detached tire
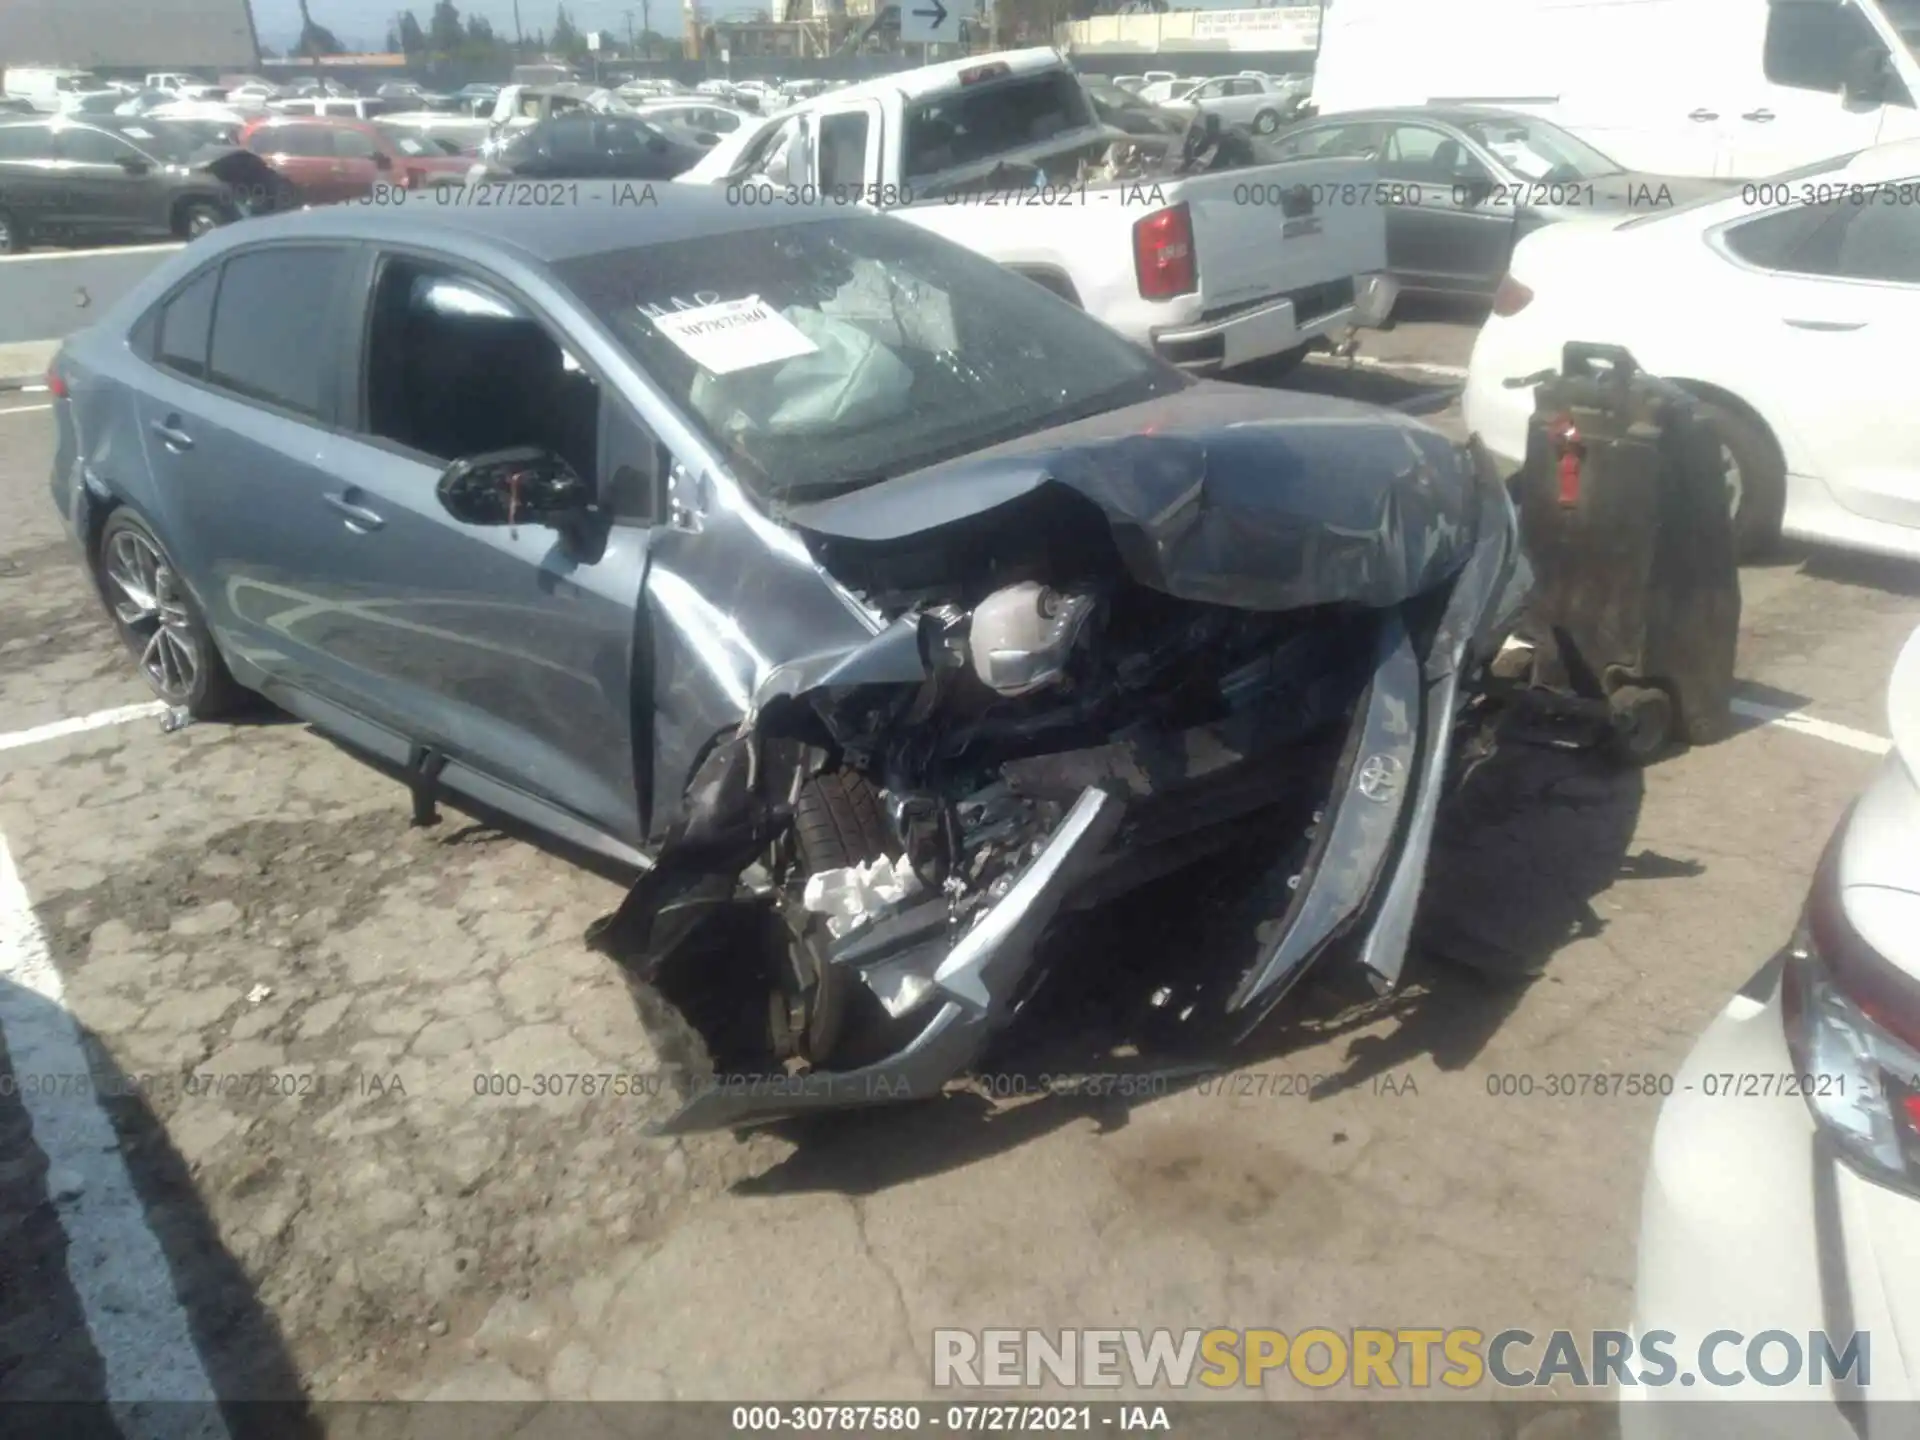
column 160, row 622
column 1643, row 724
column 1763, row 480
column 838, row 822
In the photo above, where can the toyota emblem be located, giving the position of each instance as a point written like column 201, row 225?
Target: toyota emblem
column 1381, row 777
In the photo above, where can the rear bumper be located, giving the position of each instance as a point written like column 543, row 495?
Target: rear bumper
column 1275, row 326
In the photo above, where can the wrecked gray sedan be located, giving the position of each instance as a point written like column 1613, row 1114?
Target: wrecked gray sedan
column 878, row 606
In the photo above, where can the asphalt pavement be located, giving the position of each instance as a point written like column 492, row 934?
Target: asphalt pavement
column 359, row 1194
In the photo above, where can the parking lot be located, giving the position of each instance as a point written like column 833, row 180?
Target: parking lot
column 351, row 1202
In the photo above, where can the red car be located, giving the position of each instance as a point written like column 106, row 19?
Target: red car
column 327, row 159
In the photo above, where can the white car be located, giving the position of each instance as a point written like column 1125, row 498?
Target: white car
column 699, row 115
column 1257, row 101
column 1790, row 306
column 1783, row 1193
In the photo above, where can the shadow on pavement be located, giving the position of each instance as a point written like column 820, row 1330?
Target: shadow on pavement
column 1535, row 835
column 53, row 1376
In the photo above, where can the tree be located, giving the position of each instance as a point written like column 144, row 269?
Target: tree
column 444, row 31
column 413, row 40
column 316, row 39
column 567, row 39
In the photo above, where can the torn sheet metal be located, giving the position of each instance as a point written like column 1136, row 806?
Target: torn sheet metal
column 1222, row 494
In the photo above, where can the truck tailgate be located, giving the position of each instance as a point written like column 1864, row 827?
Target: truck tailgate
column 1283, row 229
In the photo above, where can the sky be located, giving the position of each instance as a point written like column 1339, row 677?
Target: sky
column 363, row 23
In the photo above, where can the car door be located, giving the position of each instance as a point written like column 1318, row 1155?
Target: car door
column 236, row 417
column 626, row 149
column 1834, row 361
column 1796, row 109
column 31, row 193
column 358, row 164
column 1449, row 224
column 115, row 188
column 508, row 649
column 301, row 153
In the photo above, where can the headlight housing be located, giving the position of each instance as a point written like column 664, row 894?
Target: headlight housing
column 1853, row 1027
column 1021, row 635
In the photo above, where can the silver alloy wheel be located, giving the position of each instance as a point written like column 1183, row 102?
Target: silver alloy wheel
column 200, row 222
column 154, row 613
column 1730, row 473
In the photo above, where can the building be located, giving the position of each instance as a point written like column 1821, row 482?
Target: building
column 129, row 36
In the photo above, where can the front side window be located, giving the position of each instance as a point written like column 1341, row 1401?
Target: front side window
column 831, row 354
column 94, row 147
column 455, row 369
column 1814, row 44
column 1540, row 152
column 354, row 145
column 273, row 326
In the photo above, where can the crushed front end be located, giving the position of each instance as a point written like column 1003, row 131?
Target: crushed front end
column 1120, row 657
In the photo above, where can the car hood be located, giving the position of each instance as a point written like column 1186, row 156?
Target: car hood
column 1219, row 493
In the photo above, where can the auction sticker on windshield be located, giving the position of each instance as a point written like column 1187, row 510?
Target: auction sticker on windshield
column 734, row 335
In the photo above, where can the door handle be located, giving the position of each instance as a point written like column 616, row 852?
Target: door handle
column 170, row 433
column 1829, row 326
column 1758, row 115
column 1704, row 115
column 358, row 516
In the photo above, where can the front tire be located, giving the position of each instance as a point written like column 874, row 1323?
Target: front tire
column 160, row 623
column 1266, row 122
column 1756, row 479
column 196, row 217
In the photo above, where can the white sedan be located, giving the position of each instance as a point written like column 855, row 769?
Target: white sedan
column 1783, row 1193
column 1790, row 307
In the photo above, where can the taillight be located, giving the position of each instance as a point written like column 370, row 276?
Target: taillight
column 56, row 385
column 1569, row 450
column 1511, row 297
column 1163, row 258
column 1852, row 1023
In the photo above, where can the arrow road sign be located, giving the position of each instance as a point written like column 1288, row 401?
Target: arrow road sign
column 927, row 22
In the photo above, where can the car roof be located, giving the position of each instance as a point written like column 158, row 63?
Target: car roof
column 607, row 217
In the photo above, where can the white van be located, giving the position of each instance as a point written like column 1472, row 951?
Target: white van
column 1729, row 88
column 48, row 87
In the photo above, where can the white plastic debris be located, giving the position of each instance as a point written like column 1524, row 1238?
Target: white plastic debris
column 850, row 896
column 259, row 994
column 900, row 985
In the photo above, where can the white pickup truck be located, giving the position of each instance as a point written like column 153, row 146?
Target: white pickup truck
column 1210, row 270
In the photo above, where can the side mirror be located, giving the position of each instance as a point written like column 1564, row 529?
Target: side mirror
column 523, row 486
column 134, row 165
column 656, row 145
column 1866, row 78
column 382, row 161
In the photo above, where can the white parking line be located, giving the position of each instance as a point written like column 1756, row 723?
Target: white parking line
column 80, row 724
column 24, row 409
column 1805, row 724
column 114, row 1260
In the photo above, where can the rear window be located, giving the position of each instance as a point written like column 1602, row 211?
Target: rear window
column 977, row 123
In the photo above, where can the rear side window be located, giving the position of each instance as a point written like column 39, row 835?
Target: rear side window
column 274, row 326
column 976, row 124
column 26, row 142
column 1779, row 241
column 186, row 326
column 354, row 145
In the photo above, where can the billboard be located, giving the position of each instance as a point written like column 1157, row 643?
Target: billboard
column 144, row 35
